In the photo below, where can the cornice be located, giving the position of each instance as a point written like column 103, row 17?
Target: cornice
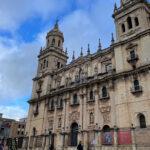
column 99, row 79
column 139, row 35
column 95, row 55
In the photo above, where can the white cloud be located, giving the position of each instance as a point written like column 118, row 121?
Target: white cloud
column 18, row 67
column 18, row 60
column 14, row 112
column 79, row 30
column 13, row 13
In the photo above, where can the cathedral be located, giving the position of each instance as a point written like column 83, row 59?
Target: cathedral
column 102, row 99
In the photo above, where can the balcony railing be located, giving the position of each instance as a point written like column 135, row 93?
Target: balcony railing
column 90, row 99
column 104, row 97
column 136, row 89
column 51, row 108
column 59, row 107
column 74, row 104
column 133, row 58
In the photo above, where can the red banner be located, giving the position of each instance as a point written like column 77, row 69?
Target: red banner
column 124, row 138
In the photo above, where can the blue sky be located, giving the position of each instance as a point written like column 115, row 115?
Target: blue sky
column 23, row 27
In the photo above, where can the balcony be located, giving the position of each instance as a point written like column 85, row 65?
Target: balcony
column 136, row 89
column 59, row 107
column 133, row 58
column 104, row 97
column 90, row 100
column 51, row 108
column 74, row 104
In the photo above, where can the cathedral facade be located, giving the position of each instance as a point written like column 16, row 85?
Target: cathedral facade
column 101, row 99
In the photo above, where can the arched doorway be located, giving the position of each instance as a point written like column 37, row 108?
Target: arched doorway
column 74, row 134
column 106, row 128
column 107, row 136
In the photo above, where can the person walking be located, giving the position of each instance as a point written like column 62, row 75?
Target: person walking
column 1, row 146
column 80, row 146
column 51, row 147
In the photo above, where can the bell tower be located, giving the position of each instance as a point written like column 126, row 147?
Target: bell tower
column 131, row 18
column 55, row 38
column 52, row 57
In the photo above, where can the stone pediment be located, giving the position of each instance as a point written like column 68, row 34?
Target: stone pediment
column 131, row 45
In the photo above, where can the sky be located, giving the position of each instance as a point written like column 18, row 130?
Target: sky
column 23, row 27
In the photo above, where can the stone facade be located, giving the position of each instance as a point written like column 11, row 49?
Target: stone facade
column 101, row 99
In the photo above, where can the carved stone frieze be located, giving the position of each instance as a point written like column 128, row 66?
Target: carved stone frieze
column 105, row 109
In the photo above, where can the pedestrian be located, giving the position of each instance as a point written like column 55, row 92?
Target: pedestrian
column 1, row 146
column 80, row 146
column 51, row 147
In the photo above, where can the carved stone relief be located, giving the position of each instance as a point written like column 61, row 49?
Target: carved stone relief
column 105, row 110
column 106, row 117
column 74, row 116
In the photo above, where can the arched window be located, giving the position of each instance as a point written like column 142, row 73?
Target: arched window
column 129, row 21
column 123, row 28
column 61, row 103
column 52, row 104
column 136, row 85
column 53, row 42
column 136, row 21
column 59, row 122
column 44, row 64
column 74, row 134
column 91, row 118
column 132, row 54
column 75, row 99
column 104, row 92
column 48, row 42
column 58, row 64
column 59, row 43
column 34, row 131
column 142, row 121
column 91, row 95
column 41, row 66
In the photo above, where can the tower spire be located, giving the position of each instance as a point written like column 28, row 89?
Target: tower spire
column 115, row 7
column 88, row 51
column 56, row 24
column 112, row 38
column 99, row 45
column 73, row 56
column 66, row 51
column 121, row 2
column 81, row 53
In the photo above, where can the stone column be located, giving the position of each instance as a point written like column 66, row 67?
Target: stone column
column 85, row 140
column 66, row 140
column 133, row 138
column 55, row 119
column 115, row 137
column 66, row 122
column 46, row 142
column 98, row 139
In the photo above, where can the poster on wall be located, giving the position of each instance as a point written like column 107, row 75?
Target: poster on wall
column 108, row 138
column 124, row 138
